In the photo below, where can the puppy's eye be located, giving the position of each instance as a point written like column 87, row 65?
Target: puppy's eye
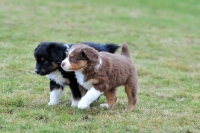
column 45, row 62
column 72, row 59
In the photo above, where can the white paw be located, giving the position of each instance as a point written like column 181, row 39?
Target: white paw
column 52, row 103
column 104, row 105
column 83, row 106
column 74, row 103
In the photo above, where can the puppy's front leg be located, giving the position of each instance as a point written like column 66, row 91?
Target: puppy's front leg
column 89, row 97
column 76, row 94
column 55, row 93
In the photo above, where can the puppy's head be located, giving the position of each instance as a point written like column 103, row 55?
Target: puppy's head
column 48, row 56
column 80, row 56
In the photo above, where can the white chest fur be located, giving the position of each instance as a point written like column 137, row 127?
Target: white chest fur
column 80, row 78
column 57, row 77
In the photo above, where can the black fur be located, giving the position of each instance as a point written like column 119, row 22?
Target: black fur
column 49, row 55
column 53, row 85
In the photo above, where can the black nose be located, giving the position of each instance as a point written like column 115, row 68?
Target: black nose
column 37, row 71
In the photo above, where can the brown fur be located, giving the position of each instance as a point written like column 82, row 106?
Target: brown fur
column 115, row 70
column 82, row 90
column 54, row 66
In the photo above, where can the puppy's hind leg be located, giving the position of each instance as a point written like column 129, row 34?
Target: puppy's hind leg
column 110, row 98
column 55, row 94
column 131, row 90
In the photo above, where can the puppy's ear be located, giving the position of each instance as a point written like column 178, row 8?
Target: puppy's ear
column 36, row 49
column 91, row 54
column 57, row 52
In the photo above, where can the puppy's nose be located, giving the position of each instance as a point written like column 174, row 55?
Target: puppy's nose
column 63, row 63
column 37, row 71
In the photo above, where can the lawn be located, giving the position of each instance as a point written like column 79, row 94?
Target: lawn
column 164, row 40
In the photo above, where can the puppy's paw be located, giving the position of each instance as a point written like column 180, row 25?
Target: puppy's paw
column 74, row 103
column 52, row 103
column 83, row 106
column 104, row 105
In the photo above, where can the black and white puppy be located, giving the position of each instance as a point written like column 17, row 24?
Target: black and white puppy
column 49, row 56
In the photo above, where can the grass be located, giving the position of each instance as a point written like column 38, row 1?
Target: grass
column 163, row 38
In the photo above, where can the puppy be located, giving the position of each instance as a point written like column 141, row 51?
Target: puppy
column 49, row 55
column 101, row 73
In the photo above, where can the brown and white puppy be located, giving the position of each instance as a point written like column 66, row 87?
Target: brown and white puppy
column 101, row 73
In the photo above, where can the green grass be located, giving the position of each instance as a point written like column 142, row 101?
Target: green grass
column 163, row 38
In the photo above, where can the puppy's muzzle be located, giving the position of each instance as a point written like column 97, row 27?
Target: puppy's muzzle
column 37, row 71
column 63, row 63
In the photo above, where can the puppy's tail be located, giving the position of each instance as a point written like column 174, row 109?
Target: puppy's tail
column 125, row 50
